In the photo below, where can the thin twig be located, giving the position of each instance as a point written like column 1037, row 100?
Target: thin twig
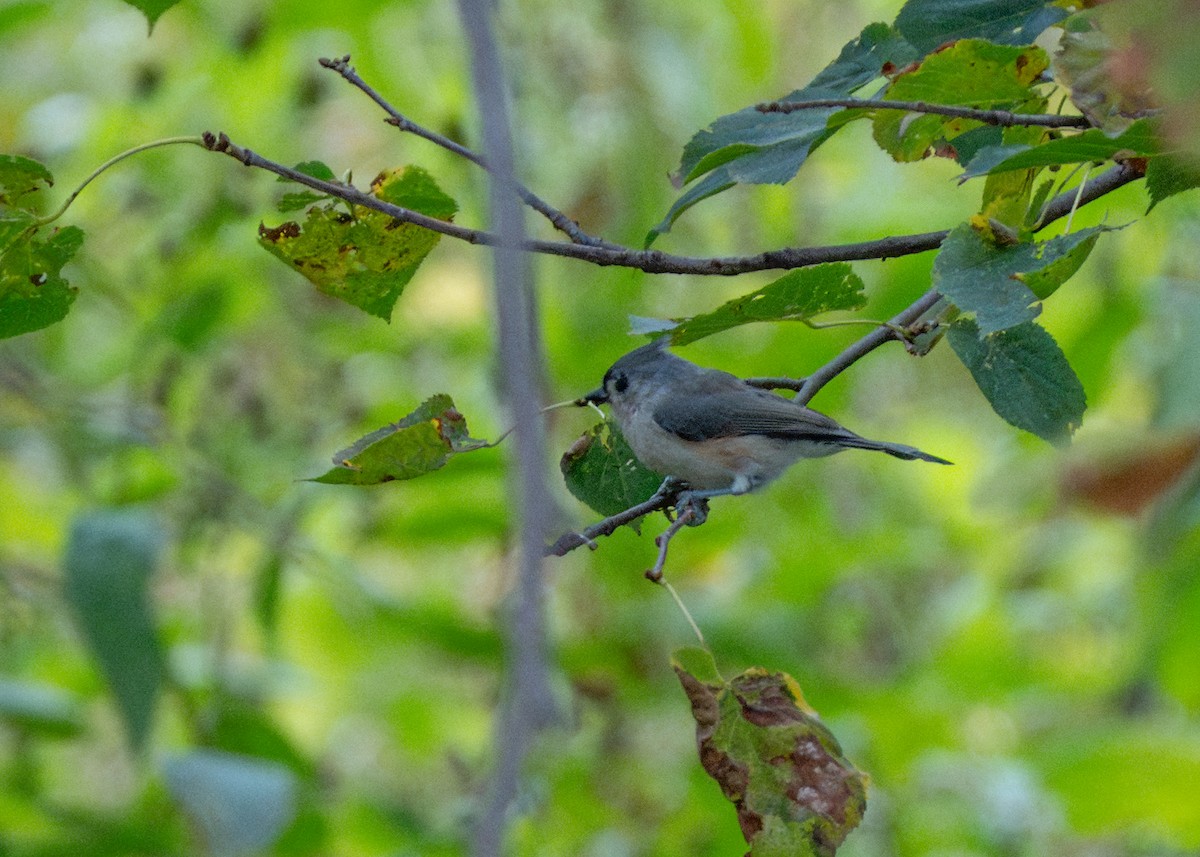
column 1106, row 182
column 687, row 614
column 650, row 261
column 1004, row 118
column 557, row 219
column 692, row 515
column 686, row 517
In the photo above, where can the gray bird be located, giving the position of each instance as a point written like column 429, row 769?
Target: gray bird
column 713, row 430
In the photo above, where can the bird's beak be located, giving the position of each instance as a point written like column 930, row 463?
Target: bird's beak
column 596, row 397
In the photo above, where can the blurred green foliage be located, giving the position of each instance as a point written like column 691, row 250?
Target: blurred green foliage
column 1007, row 647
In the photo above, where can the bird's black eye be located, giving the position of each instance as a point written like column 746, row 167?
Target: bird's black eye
column 621, row 383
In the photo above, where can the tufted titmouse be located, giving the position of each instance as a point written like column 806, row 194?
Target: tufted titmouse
column 712, row 429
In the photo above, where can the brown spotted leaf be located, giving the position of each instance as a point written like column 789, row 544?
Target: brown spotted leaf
column 782, row 769
column 363, row 257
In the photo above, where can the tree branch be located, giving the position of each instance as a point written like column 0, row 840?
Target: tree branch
column 557, row 219
column 655, row 261
column 663, row 498
column 1004, row 118
column 863, row 347
column 776, row 383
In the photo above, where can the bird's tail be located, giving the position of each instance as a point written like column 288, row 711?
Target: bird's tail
column 899, row 450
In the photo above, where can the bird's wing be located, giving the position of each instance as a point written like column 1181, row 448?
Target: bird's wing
column 744, row 411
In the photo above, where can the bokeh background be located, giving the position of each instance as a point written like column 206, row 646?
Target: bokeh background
column 1008, row 647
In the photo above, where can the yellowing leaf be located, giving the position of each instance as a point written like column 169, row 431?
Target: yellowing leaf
column 418, row 444
column 970, row 73
column 363, row 257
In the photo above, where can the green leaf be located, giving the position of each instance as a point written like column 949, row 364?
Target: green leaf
column 296, row 201
column 967, row 144
column 40, row 709
column 1059, row 259
column 768, row 148
column 783, row 770
column 239, row 727
column 1000, row 285
column 418, row 444
column 698, row 663
column 970, row 73
column 927, row 24
column 1024, row 376
column 109, row 559
column 1006, row 196
column 14, row 224
column 19, row 177
column 1167, row 176
column 314, row 169
column 366, row 259
column 978, row 277
column 239, row 805
column 1091, row 145
column 152, row 9
column 33, row 293
column 601, row 470
column 796, row 296
column 415, row 189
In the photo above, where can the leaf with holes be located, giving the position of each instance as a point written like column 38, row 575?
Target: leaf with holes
column 33, row 292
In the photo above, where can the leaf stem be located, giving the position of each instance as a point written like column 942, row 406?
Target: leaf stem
column 1078, row 194
column 900, row 332
column 113, row 161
